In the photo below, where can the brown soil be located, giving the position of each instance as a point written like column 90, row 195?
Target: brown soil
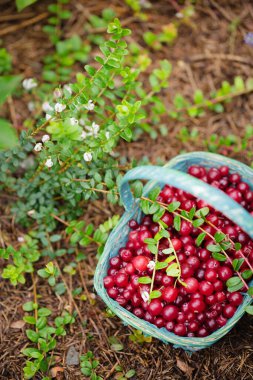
column 203, row 56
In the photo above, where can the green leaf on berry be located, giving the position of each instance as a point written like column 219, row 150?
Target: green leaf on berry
column 173, row 270
column 200, row 238
column 144, row 280
column 198, row 222
column 202, row 212
column 250, row 291
column 238, row 246
column 177, row 222
column 150, row 241
column 153, row 248
column 158, row 214
column 169, row 259
column 167, row 251
column 219, row 256
column 213, row 248
column 234, row 284
column 155, row 294
column 237, row 263
column 219, row 236
column 161, row 265
column 173, row 206
column 247, row 274
column 153, row 194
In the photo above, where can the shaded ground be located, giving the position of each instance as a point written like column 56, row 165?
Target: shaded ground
column 202, row 57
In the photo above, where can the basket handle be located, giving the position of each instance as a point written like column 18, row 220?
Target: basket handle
column 213, row 196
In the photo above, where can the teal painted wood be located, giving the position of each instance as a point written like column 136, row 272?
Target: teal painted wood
column 174, row 173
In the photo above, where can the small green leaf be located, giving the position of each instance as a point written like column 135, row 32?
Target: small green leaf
column 247, row 274
column 213, row 248
column 8, row 85
column 202, row 212
column 137, row 189
column 238, row 246
column 237, row 263
column 167, row 251
column 144, row 280
column 219, row 256
column 155, row 294
column 219, row 236
column 153, row 194
column 173, row 270
column 234, row 284
column 28, row 306
column 21, row 4
column 177, row 223
column 198, row 222
column 173, row 206
column 32, row 335
column 170, row 259
column 153, row 249
column 200, row 238
column 8, row 135
column 249, row 309
column 150, row 241
column 161, row 265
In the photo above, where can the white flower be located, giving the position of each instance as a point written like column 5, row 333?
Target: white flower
column 107, row 135
column 49, row 163
column 31, row 106
column 68, row 88
column 57, row 93
column 46, row 107
column 90, row 105
column 21, row 239
column 87, row 156
column 81, row 122
column 151, row 265
column 59, row 107
column 73, row 121
column 83, row 135
column 145, row 295
column 45, row 138
column 37, row 147
column 179, row 15
column 29, row 84
column 48, row 117
column 94, row 129
column 30, row 212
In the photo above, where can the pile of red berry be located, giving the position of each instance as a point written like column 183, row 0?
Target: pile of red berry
column 202, row 304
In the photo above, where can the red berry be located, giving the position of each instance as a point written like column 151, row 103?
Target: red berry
column 108, row 282
column 133, row 224
column 235, row 298
column 170, row 312
column 170, row 325
column 228, row 311
column 211, row 275
column 206, row 288
column 177, row 244
column 115, row 262
column 225, row 273
column 197, row 305
column 121, row 280
column 155, row 307
column 140, row 263
column 180, row 329
column 126, row 255
column 192, row 285
column 169, row 294
column 221, row 321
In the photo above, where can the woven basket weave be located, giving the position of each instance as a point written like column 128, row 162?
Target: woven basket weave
column 174, row 173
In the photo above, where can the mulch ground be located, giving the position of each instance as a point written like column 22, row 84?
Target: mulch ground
column 203, row 55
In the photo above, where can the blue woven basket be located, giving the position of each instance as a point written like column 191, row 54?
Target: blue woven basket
column 174, row 173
